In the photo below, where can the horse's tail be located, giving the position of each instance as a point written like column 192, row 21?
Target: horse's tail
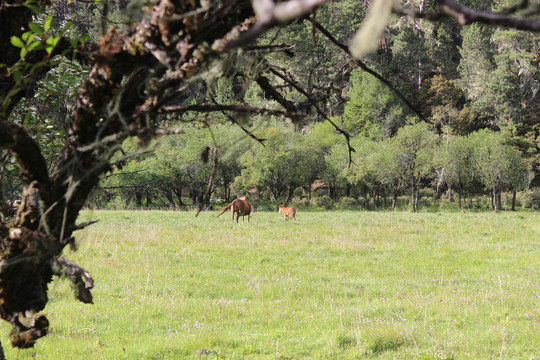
column 225, row 209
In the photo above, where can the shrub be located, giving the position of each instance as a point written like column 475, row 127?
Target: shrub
column 381, row 345
column 346, row 341
column 348, row 202
column 118, row 203
column 299, row 202
column 428, row 194
column 322, row 201
column 529, row 199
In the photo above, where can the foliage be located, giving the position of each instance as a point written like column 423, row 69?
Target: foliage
column 280, row 166
column 530, row 199
column 458, row 163
column 498, row 165
column 372, row 110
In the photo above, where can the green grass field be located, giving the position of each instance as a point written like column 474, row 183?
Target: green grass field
column 337, row 285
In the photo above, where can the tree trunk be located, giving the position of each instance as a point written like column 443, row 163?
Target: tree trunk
column 226, row 189
column 168, row 195
column 513, row 200
column 203, row 201
column 413, row 196
column 177, row 190
column 290, row 195
column 148, row 199
column 138, row 198
column 494, row 199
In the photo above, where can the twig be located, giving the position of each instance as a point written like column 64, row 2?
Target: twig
column 233, row 120
column 79, row 277
column 465, row 15
column 84, row 224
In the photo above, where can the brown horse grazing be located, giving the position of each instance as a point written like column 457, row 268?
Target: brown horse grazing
column 287, row 212
column 240, row 206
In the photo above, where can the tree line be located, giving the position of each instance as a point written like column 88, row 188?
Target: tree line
column 285, row 167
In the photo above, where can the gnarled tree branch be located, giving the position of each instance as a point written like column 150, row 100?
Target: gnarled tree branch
column 465, row 15
column 235, row 108
column 33, row 166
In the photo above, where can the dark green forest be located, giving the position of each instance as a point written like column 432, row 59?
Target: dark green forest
column 438, row 112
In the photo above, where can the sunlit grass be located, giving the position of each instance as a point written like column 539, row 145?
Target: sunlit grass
column 337, row 285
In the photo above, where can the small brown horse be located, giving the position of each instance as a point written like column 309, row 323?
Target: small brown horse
column 240, row 206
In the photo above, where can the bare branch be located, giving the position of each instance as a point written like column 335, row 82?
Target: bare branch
column 466, row 15
column 33, row 166
column 524, row 4
column 271, row 48
column 233, row 120
column 270, row 91
column 236, row 108
column 84, row 225
column 80, row 278
column 270, row 14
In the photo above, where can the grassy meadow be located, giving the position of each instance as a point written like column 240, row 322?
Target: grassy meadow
column 336, row 285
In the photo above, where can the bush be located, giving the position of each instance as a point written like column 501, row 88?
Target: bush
column 346, row 341
column 118, row 203
column 322, row 201
column 529, row 199
column 348, row 202
column 429, row 194
column 482, row 202
column 299, row 202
